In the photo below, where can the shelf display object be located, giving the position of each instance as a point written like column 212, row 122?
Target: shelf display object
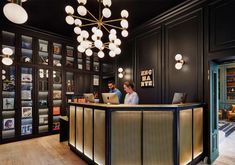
column 26, row 49
column 96, row 64
column 80, row 60
column 43, row 52
column 8, row 41
column 43, row 108
column 57, row 54
column 88, row 63
column 70, row 83
column 230, row 76
column 69, row 57
column 57, row 99
column 26, row 101
column 8, row 102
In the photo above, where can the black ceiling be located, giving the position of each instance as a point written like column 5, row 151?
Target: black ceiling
column 50, row 15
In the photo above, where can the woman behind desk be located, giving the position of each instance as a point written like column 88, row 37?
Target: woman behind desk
column 131, row 96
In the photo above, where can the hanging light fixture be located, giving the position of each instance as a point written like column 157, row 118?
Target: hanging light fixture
column 98, row 26
column 6, row 60
column 15, row 12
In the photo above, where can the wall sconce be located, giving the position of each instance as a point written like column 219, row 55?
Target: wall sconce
column 15, row 12
column 179, row 62
column 7, row 52
column 120, row 72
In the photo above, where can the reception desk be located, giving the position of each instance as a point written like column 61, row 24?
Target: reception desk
column 163, row 134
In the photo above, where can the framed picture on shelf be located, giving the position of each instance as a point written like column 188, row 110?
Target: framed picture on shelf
column 95, row 80
column 43, row 47
column 56, row 110
column 26, row 103
column 26, row 86
column 26, row 129
column 56, row 94
column 9, row 123
column 26, row 95
column 26, row 112
column 8, row 86
column 8, row 103
column 26, row 77
column 70, row 52
column 56, row 126
column 56, row 49
column 43, row 119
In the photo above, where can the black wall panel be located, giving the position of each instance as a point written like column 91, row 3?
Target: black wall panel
column 184, row 36
column 148, row 56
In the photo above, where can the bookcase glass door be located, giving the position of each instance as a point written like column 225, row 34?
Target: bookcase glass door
column 69, row 57
column 26, row 49
column 80, row 60
column 57, row 54
column 57, row 99
column 43, row 52
column 26, row 101
column 8, row 41
column 8, row 102
column 230, row 76
column 43, row 106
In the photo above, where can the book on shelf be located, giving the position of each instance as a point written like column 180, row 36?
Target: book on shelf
column 56, row 49
column 43, row 119
column 43, row 47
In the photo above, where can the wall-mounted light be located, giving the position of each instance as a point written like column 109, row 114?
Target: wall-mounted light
column 179, row 61
column 120, row 72
column 7, row 52
column 15, row 12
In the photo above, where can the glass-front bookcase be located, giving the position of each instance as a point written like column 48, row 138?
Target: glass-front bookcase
column 26, row 101
column 43, row 105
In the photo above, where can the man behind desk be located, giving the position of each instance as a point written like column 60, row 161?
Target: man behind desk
column 113, row 89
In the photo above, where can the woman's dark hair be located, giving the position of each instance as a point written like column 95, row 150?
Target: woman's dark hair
column 129, row 84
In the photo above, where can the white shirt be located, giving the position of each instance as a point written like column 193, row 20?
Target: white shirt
column 131, row 98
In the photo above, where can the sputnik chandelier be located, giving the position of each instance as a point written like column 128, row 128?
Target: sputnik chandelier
column 99, row 26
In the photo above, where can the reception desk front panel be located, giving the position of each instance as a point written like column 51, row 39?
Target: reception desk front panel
column 138, row 134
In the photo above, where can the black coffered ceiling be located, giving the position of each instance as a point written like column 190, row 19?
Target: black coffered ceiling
column 49, row 15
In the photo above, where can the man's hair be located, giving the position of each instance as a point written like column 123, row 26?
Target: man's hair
column 111, row 82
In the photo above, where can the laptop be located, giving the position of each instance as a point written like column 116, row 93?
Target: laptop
column 110, row 98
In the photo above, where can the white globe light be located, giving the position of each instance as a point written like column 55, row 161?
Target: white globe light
column 112, row 46
column 112, row 37
column 77, row 30
column 106, row 12
column 178, row 57
column 78, row 22
column 82, row 1
column 124, row 33
column 112, row 54
column 98, row 44
column 117, row 51
column 88, row 52
column 120, row 69
column 107, row 3
column 120, row 75
column 124, row 14
column 82, row 10
column 94, row 29
column 178, row 65
column 94, row 37
column 79, row 38
column 84, row 34
column 70, row 20
column 101, row 54
column 117, row 42
column 81, row 49
column 113, row 31
column 98, row 33
column 15, row 13
column 7, row 61
column 85, row 44
column 69, row 10
column 124, row 23
column 7, row 51
column 23, row 0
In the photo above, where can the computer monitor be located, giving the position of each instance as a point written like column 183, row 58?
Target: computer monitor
column 179, row 98
column 89, row 97
column 110, row 98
